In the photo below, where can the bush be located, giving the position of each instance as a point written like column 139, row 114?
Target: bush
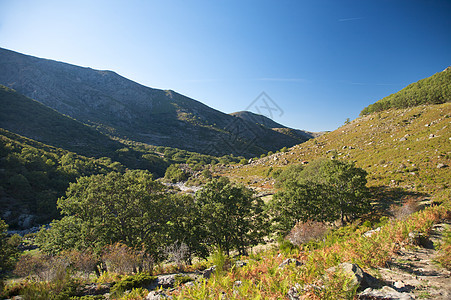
column 175, row 174
column 304, row 232
column 42, row 267
column 132, row 281
column 121, row 259
column 408, row 207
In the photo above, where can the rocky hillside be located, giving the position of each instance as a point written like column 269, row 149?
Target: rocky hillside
column 123, row 108
column 405, row 148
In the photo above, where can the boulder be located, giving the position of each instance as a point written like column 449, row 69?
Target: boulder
column 357, row 275
column 385, row 293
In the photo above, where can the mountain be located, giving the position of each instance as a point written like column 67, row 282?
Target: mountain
column 122, row 108
column 34, row 120
column 432, row 90
column 298, row 134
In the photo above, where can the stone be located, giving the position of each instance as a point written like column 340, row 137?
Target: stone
column 441, row 165
column 357, row 275
column 371, row 232
column 420, row 239
column 385, row 293
column 240, row 264
column 207, row 272
column 293, row 292
column 157, row 295
column 353, row 270
column 290, row 261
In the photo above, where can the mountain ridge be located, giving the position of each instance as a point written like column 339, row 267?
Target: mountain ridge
column 120, row 107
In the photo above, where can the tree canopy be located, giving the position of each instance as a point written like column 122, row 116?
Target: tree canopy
column 232, row 217
column 324, row 190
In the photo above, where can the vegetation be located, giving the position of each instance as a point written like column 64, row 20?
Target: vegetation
column 324, row 190
column 432, row 90
column 232, row 217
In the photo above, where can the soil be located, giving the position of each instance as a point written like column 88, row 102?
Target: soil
column 414, row 271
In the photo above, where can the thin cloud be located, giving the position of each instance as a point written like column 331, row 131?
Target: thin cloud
column 350, row 19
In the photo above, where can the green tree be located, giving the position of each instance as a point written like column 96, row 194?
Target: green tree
column 324, row 190
column 8, row 249
column 232, row 217
column 175, row 174
column 104, row 209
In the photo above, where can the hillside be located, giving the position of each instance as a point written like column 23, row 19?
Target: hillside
column 34, row 175
column 405, row 148
column 122, row 108
column 34, row 120
column 432, row 90
column 300, row 135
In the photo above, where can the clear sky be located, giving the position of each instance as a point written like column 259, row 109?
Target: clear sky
column 320, row 61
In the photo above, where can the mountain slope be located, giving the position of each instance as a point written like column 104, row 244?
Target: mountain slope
column 406, row 148
column 34, row 120
column 298, row 134
column 432, row 90
column 123, row 108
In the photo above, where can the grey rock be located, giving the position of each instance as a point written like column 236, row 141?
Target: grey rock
column 371, row 232
column 441, row 165
column 420, row 239
column 290, row 261
column 207, row 272
column 293, row 292
column 385, row 293
column 240, row 263
column 157, row 295
column 353, row 270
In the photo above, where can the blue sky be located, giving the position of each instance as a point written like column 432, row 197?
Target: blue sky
column 320, row 61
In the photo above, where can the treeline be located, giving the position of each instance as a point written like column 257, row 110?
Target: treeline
column 432, row 90
column 133, row 209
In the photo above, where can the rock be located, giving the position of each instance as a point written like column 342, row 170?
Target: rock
column 94, row 289
column 371, row 232
column 240, row 264
column 293, row 293
column 353, row 270
column 357, row 275
column 207, row 272
column 441, row 165
column 237, row 283
column 399, row 285
column 385, row 293
column 163, row 281
column 403, row 139
column 420, row 239
column 290, row 261
column 157, row 295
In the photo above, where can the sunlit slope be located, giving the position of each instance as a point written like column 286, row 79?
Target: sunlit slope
column 407, row 148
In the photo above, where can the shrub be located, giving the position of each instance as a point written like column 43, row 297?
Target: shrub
column 132, row 281
column 42, row 267
column 121, row 259
column 304, row 232
column 408, row 207
column 177, row 253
